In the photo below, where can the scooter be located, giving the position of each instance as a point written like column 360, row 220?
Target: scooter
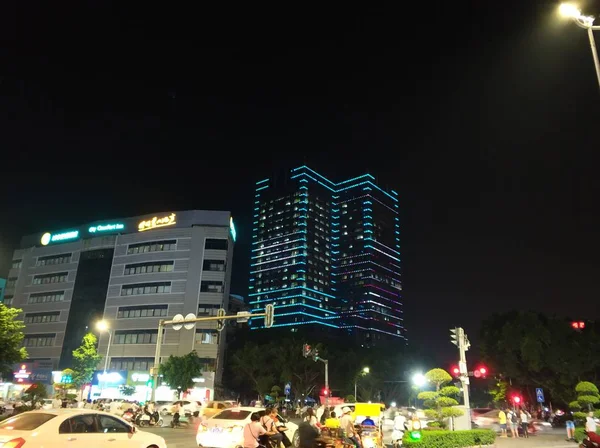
column 592, row 440
column 180, row 421
column 397, row 435
column 144, row 419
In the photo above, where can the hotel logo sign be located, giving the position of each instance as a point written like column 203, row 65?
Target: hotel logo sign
column 157, row 222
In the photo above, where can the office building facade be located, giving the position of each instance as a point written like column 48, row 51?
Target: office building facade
column 327, row 255
column 130, row 272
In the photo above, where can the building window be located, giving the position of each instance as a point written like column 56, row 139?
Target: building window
column 146, row 288
column 130, row 312
column 8, row 300
column 42, row 318
column 39, row 340
column 135, row 337
column 213, row 265
column 134, row 364
column 152, row 246
column 16, row 264
column 208, row 309
column 211, row 286
column 11, row 282
column 206, row 337
column 53, row 259
column 208, row 364
column 45, row 297
column 46, row 279
column 148, row 268
column 215, row 244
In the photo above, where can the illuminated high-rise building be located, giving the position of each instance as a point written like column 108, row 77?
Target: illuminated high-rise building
column 327, row 255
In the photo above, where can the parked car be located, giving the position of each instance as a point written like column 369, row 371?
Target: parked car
column 226, row 429
column 213, row 407
column 74, row 428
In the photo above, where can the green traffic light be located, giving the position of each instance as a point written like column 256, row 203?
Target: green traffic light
column 415, row 435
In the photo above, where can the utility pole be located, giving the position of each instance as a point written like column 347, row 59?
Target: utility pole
column 189, row 322
column 459, row 338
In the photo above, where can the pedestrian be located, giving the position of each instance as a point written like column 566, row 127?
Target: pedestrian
column 590, row 423
column 513, row 419
column 502, row 421
column 347, row 426
column 570, row 423
column 253, row 431
column 525, row 423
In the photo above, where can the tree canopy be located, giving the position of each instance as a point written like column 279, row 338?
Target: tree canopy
column 179, row 371
column 11, row 338
column 85, row 361
column 534, row 350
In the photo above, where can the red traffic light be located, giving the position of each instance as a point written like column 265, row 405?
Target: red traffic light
column 480, row 372
column 578, row 325
column 516, row 399
column 325, row 392
column 455, row 371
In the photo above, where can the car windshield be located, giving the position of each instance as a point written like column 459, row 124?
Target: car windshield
column 26, row 422
column 232, row 414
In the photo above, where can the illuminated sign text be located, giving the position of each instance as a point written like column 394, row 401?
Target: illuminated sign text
column 232, row 229
column 48, row 238
column 106, row 227
column 157, row 222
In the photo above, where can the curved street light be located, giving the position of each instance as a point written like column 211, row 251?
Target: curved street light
column 363, row 372
column 571, row 11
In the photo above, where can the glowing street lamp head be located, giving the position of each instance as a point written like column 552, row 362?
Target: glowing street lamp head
column 102, row 325
column 419, row 379
column 569, row 10
column 366, row 370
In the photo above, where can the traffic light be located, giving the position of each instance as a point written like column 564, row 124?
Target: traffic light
column 325, row 392
column 480, row 372
column 455, row 371
column 578, row 325
column 517, row 400
column 269, row 315
column 306, row 350
column 415, row 430
column 455, row 336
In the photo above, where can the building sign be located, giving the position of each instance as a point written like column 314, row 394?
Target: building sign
column 22, row 375
column 48, row 238
column 157, row 222
column 134, row 378
column 110, row 378
column 112, row 227
column 232, row 229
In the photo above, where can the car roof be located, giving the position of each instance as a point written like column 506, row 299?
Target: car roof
column 66, row 412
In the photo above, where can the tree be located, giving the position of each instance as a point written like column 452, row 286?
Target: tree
column 85, row 361
column 11, row 338
column 587, row 398
column 179, row 371
column 498, row 391
column 275, row 391
column 248, row 368
column 65, row 383
column 535, row 350
column 128, row 391
column 34, row 393
column 439, row 402
column 350, row 399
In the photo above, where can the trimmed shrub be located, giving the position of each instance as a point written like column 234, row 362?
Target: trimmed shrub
column 579, row 434
column 451, row 439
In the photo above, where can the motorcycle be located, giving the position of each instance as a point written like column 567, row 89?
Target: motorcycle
column 397, row 435
column 180, row 421
column 591, row 440
column 144, row 419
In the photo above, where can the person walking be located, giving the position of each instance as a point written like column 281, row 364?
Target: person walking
column 502, row 421
column 524, row 423
column 513, row 419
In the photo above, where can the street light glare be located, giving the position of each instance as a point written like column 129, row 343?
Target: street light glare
column 569, row 10
column 419, row 379
column 102, row 325
column 366, row 370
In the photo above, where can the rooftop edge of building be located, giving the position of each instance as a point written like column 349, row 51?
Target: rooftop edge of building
column 134, row 224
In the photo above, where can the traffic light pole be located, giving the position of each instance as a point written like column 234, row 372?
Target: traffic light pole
column 459, row 338
column 268, row 314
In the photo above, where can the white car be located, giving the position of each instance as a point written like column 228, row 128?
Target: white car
column 189, row 407
column 226, row 429
column 73, row 428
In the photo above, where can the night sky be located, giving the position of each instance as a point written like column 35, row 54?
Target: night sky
column 483, row 118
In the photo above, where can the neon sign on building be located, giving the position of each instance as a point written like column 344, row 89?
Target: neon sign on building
column 48, row 238
column 157, row 222
column 106, row 227
column 232, row 229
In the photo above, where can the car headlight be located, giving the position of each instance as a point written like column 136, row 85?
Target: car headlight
column 202, row 428
column 368, row 442
column 235, row 428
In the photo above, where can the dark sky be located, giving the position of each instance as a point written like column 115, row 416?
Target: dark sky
column 482, row 115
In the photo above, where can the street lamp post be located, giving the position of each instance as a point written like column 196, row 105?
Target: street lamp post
column 364, row 371
column 103, row 326
column 571, row 11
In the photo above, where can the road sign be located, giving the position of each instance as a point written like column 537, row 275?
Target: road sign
column 288, row 388
column 539, row 393
column 176, row 322
column 189, row 325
